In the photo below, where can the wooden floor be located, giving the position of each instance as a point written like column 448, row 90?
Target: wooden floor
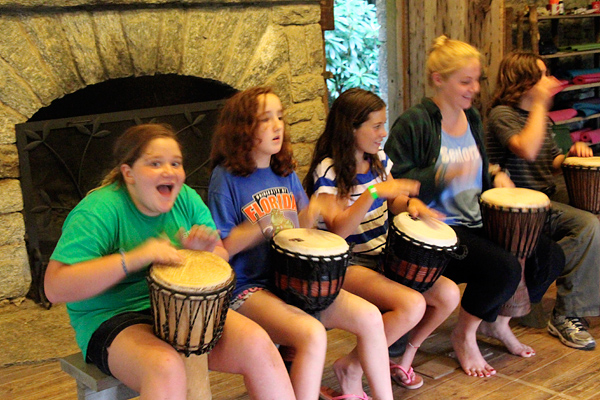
column 555, row 372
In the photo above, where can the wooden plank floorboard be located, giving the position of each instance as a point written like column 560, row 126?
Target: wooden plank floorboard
column 556, row 372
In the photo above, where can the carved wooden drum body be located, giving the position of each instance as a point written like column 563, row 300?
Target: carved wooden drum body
column 309, row 267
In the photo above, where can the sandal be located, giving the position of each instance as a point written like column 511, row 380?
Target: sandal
column 327, row 393
column 413, row 381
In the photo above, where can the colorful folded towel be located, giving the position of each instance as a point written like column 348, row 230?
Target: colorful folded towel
column 572, row 73
column 591, row 136
column 587, row 108
column 576, row 135
column 586, row 78
column 562, row 115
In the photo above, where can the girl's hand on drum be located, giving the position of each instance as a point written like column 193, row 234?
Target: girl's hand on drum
column 580, row 149
column 417, row 209
column 502, row 180
column 393, row 188
column 317, row 206
column 200, row 237
column 156, row 251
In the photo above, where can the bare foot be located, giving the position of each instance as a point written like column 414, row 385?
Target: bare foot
column 501, row 330
column 348, row 376
column 469, row 356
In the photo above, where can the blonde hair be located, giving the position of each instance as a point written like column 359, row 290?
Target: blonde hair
column 447, row 56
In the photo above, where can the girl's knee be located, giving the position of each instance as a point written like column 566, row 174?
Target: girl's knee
column 415, row 303
column 448, row 295
column 369, row 315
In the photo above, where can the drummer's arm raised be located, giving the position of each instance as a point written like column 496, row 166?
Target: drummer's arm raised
column 80, row 281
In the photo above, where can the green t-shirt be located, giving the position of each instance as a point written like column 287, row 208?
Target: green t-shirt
column 102, row 223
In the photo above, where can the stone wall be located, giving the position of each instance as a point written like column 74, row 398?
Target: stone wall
column 51, row 51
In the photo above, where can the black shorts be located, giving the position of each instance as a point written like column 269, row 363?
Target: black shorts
column 97, row 351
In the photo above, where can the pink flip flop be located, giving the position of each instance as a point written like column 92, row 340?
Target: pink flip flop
column 327, row 393
column 413, row 381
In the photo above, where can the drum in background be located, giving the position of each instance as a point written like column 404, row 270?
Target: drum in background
column 418, row 251
column 514, row 219
column 189, row 304
column 309, row 267
column 582, row 177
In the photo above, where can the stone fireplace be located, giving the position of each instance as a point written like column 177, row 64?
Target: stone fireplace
column 50, row 49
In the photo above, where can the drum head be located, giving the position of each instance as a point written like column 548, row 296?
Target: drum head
column 433, row 232
column 311, row 242
column 200, row 271
column 586, row 162
column 518, row 198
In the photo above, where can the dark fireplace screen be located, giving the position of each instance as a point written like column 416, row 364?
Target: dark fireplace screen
column 63, row 159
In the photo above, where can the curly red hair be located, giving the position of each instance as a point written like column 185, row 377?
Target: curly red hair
column 235, row 136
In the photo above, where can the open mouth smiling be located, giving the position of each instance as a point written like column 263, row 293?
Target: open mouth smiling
column 165, row 189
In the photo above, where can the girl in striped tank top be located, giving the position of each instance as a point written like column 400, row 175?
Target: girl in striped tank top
column 352, row 172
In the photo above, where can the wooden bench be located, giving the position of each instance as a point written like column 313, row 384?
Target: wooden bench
column 93, row 384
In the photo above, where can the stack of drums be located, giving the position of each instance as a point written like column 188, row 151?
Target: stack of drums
column 582, row 176
column 189, row 305
column 514, row 219
column 309, row 267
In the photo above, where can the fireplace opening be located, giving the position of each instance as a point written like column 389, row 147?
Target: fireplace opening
column 65, row 149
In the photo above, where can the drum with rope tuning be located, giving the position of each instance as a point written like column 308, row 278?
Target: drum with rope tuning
column 189, row 305
column 309, row 267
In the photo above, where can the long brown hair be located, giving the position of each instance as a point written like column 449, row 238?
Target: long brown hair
column 235, row 136
column 518, row 72
column 348, row 112
column 131, row 145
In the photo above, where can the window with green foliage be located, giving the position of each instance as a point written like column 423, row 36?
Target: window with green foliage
column 352, row 48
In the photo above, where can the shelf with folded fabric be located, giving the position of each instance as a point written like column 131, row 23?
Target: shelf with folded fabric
column 578, row 50
column 569, row 88
column 567, row 16
column 577, row 119
column 562, row 54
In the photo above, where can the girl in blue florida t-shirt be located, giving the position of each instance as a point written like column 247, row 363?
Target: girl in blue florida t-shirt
column 253, row 194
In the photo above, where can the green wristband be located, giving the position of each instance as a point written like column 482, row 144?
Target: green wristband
column 373, row 192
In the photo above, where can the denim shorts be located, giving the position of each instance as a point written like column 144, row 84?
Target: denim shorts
column 368, row 261
column 97, row 351
column 237, row 302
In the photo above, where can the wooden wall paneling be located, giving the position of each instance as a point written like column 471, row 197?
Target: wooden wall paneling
column 421, row 20
column 397, row 58
column 486, row 20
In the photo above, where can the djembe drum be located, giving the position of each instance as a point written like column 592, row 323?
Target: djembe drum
column 189, row 306
column 309, row 267
column 514, row 218
column 418, row 251
column 582, row 176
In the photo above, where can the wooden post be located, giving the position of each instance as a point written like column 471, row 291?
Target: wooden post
column 520, row 30
column 533, row 26
column 509, row 19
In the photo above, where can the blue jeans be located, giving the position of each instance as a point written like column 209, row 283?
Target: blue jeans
column 578, row 286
